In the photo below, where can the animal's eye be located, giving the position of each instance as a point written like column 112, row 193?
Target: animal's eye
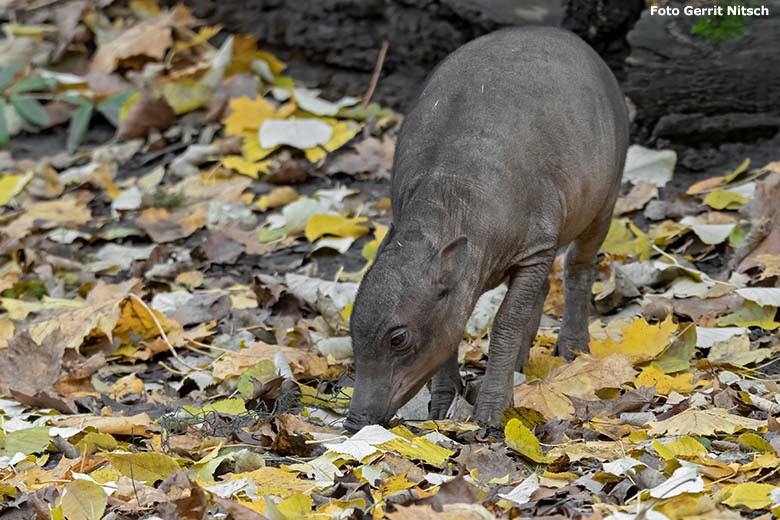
column 399, row 338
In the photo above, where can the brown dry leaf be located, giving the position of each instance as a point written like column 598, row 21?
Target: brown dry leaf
column 771, row 265
column 30, row 366
column 765, row 218
column 640, row 194
column 48, row 214
column 149, row 112
column 703, row 422
column 148, row 40
column 580, row 378
column 553, row 302
column 303, row 363
column 139, row 424
column 166, row 226
column 600, row 450
column 98, row 317
column 371, row 155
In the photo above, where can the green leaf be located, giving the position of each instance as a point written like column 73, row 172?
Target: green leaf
column 110, row 107
column 4, row 135
column 37, row 83
column 79, row 123
column 7, row 74
column 30, row 109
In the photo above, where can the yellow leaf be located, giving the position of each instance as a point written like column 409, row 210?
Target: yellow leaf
column 247, row 114
column 522, row 440
column 343, row 131
column 124, row 386
column 418, row 448
column 320, row 225
column 20, row 309
column 245, row 167
column 146, row 467
column 251, row 149
column 12, row 185
column 640, row 340
column 713, row 182
column 83, row 500
column 277, row 197
column 370, row 249
column 624, row 238
column 394, row 484
column 721, row 199
column 225, row 406
column 204, row 34
column 274, row 64
column 666, row 232
column 128, row 104
column 653, row 376
column 680, row 447
column 186, row 95
column 277, row 482
column 752, row 495
column 295, row 507
column 137, row 319
column 703, row 422
column 132, row 425
column 756, row 442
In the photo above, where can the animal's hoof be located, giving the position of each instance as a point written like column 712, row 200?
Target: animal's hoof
column 569, row 348
column 488, row 415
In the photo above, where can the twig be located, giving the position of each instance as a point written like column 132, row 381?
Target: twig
column 380, row 61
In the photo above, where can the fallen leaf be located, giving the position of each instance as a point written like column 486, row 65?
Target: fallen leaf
column 522, row 440
column 703, row 422
column 83, row 500
column 646, row 165
column 639, row 340
column 146, row 467
column 752, row 495
column 580, row 378
column 641, row 193
column 653, row 376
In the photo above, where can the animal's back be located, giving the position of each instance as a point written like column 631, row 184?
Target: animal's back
column 524, row 116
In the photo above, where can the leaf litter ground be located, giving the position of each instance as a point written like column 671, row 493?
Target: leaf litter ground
column 176, row 299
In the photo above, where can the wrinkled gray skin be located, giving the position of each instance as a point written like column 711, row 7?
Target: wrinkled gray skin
column 514, row 148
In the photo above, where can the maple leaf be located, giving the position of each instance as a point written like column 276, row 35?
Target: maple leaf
column 580, row 378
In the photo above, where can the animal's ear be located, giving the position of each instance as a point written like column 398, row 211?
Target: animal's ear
column 449, row 264
column 388, row 238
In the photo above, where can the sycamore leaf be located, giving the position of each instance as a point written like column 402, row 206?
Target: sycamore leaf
column 638, row 339
column 703, row 422
column 83, row 500
column 245, row 167
column 247, row 114
column 524, row 442
column 625, row 238
column 653, row 376
column 320, row 225
column 146, row 467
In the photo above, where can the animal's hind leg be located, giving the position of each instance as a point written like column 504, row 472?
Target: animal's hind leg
column 578, row 278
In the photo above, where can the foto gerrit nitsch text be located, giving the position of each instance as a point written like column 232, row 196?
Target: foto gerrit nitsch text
column 715, row 10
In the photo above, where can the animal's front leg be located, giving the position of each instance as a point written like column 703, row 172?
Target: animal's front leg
column 445, row 386
column 513, row 331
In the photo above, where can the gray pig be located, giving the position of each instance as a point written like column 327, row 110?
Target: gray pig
column 514, row 148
